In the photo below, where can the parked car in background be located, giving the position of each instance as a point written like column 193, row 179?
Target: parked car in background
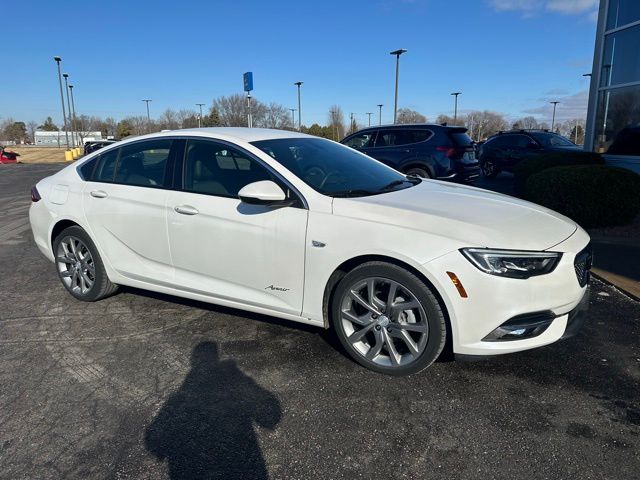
column 397, row 266
column 7, row 156
column 422, row 150
column 92, row 146
column 502, row 151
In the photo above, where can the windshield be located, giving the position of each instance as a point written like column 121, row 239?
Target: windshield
column 552, row 140
column 333, row 169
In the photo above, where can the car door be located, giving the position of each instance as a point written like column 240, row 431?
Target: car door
column 393, row 147
column 521, row 147
column 221, row 247
column 125, row 207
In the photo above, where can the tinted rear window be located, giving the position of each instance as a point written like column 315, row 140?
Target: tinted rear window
column 461, row 139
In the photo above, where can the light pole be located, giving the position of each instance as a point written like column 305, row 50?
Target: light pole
column 455, row 108
column 73, row 113
column 64, row 115
column 380, row 105
column 553, row 119
column 351, row 129
column 397, row 53
column 147, row 100
column 298, row 84
column 66, row 87
column 369, row 113
column 200, row 117
column 249, row 117
column 293, row 118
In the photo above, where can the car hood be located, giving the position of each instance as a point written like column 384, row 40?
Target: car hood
column 472, row 216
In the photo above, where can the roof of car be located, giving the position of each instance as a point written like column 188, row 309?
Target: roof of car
column 242, row 133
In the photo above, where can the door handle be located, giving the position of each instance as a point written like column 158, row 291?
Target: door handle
column 98, row 193
column 186, row 210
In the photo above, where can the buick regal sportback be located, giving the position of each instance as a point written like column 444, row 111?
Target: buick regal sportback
column 309, row 230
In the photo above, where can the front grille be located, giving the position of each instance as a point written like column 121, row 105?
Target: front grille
column 582, row 265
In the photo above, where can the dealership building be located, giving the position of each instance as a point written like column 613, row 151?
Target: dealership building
column 613, row 119
column 59, row 139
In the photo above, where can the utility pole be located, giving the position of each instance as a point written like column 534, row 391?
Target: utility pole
column 369, row 114
column 147, row 100
column 64, row 115
column 299, row 84
column 455, row 108
column 397, row 53
column 380, row 105
column 73, row 114
column 553, row 119
column 66, row 87
column 200, row 117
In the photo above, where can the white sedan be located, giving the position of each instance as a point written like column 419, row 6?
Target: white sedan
column 306, row 229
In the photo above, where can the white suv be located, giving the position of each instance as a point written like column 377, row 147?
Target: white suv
column 309, row 230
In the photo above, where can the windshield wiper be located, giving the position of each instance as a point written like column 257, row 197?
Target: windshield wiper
column 352, row 193
column 395, row 183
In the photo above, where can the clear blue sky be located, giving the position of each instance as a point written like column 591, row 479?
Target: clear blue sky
column 510, row 56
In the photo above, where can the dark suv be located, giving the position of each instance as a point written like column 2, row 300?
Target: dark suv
column 428, row 151
column 504, row 150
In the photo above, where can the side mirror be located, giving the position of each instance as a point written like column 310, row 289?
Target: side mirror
column 264, row 192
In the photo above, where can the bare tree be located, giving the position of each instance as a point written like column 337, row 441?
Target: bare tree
column 483, row 124
column 32, row 126
column 275, row 116
column 336, row 122
column 232, row 110
column 406, row 115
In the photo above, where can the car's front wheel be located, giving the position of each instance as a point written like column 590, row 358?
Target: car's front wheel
column 80, row 267
column 387, row 319
column 419, row 172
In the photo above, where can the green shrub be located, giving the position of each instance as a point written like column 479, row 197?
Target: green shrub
column 537, row 163
column 591, row 195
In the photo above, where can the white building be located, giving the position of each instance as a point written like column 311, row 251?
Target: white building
column 58, row 139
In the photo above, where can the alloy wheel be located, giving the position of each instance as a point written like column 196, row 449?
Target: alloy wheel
column 75, row 265
column 488, row 168
column 384, row 322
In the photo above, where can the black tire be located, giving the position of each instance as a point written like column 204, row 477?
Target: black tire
column 437, row 330
column 102, row 287
column 419, row 172
column 489, row 168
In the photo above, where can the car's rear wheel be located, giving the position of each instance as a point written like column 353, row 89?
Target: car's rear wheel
column 80, row 267
column 387, row 319
column 419, row 172
column 489, row 168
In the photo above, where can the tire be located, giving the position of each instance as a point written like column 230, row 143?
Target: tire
column 365, row 330
column 419, row 172
column 489, row 168
column 80, row 267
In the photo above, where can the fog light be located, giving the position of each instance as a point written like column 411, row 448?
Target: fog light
column 520, row 327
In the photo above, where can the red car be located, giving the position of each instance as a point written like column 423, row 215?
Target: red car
column 7, row 156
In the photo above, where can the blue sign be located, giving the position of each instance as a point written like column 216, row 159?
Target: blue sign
column 248, row 81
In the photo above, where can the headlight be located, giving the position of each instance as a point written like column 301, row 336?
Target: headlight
column 512, row 263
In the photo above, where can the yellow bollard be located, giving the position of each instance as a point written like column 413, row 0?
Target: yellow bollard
column 79, row 152
column 68, row 155
column 74, row 154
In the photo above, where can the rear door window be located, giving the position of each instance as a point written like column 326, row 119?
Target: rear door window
column 461, row 139
column 397, row 137
column 144, row 164
column 106, row 168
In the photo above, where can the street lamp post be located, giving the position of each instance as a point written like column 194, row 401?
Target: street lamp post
column 299, row 84
column 64, row 114
column 200, row 117
column 553, row 119
column 380, row 105
column 73, row 114
column 455, row 108
column 66, row 87
column 369, row 114
column 293, row 117
column 397, row 53
column 147, row 100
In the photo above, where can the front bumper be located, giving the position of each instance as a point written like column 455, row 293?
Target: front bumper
column 493, row 301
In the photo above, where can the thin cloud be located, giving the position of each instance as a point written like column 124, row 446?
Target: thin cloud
column 530, row 8
column 569, row 108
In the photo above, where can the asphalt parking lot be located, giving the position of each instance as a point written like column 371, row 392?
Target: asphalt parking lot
column 142, row 385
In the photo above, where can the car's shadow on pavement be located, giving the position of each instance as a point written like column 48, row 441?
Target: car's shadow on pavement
column 206, row 428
